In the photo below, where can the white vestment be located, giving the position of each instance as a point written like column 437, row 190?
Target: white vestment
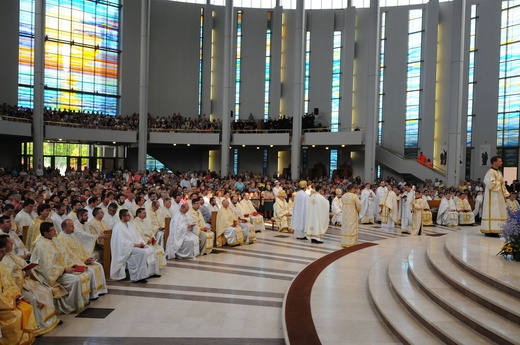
column 183, row 242
column 71, row 292
column 301, row 204
column 447, row 214
column 317, row 218
column 141, row 262
column 336, row 210
column 368, row 209
column 494, row 211
column 257, row 220
column 57, row 220
column 406, row 211
column 380, row 197
column 25, row 219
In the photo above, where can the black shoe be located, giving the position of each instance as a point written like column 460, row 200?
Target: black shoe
column 60, row 323
column 94, row 299
column 301, row 238
column 142, row 281
column 257, row 231
column 155, row 276
column 313, row 240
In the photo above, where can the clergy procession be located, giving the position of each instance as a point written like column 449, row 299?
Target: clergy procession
column 55, row 231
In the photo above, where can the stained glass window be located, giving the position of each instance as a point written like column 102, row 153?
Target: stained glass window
column 267, row 82
column 238, row 65
column 413, row 78
column 471, row 73
column 336, row 79
column 509, row 78
column 81, row 55
column 307, row 71
column 382, row 66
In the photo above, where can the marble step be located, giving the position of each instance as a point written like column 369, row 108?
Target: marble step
column 471, row 313
column 476, row 254
column 445, row 326
column 402, row 324
column 495, row 300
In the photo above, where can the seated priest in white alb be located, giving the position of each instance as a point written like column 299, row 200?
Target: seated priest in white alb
column 130, row 252
column 243, row 221
column 19, row 248
column 110, row 218
column 79, row 254
column 227, row 228
column 97, row 227
column 511, row 203
column 447, row 214
column 206, row 237
column 248, row 209
column 183, row 242
column 466, row 216
column 157, row 213
column 427, row 213
column 143, row 225
column 282, row 212
column 71, row 291
column 336, row 208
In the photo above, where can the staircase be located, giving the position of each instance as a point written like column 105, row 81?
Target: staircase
column 402, row 165
column 451, row 289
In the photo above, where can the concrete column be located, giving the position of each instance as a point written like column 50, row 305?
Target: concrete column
column 276, row 63
column 206, row 62
column 348, row 39
column 372, row 91
column 299, row 62
column 39, row 82
column 226, row 104
column 456, row 156
column 143, row 85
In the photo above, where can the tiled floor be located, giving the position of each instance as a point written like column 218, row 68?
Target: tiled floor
column 235, row 297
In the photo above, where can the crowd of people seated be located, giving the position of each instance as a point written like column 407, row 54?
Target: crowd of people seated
column 68, row 217
column 73, row 118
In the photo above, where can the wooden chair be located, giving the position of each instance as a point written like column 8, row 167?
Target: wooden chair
column 214, row 227
column 107, row 253
column 434, row 204
column 25, row 230
column 167, row 222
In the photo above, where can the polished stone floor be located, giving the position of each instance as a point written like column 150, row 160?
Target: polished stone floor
column 235, row 296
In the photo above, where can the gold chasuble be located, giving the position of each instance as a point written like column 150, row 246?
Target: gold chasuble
column 17, row 321
column 494, row 211
column 226, row 219
column 34, row 231
column 43, row 305
column 350, row 208
column 77, row 254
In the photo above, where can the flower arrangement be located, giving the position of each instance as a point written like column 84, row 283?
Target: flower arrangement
column 511, row 234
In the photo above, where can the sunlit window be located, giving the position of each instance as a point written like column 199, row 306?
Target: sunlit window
column 333, row 162
column 413, row 79
column 238, row 65
column 307, row 75
column 471, row 74
column 81, row 55
column 267, row 81
column 509, row 84
column 336, row 79
column 382, row 66
column 201, row 40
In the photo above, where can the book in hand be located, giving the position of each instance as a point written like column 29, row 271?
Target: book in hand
column 79, row 269
column 31, row 265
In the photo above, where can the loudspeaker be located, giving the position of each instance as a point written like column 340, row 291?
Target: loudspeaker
column 231, row 113
column 316, row 111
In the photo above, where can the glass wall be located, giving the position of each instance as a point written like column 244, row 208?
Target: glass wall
column 81, row 55
column 509, row 84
